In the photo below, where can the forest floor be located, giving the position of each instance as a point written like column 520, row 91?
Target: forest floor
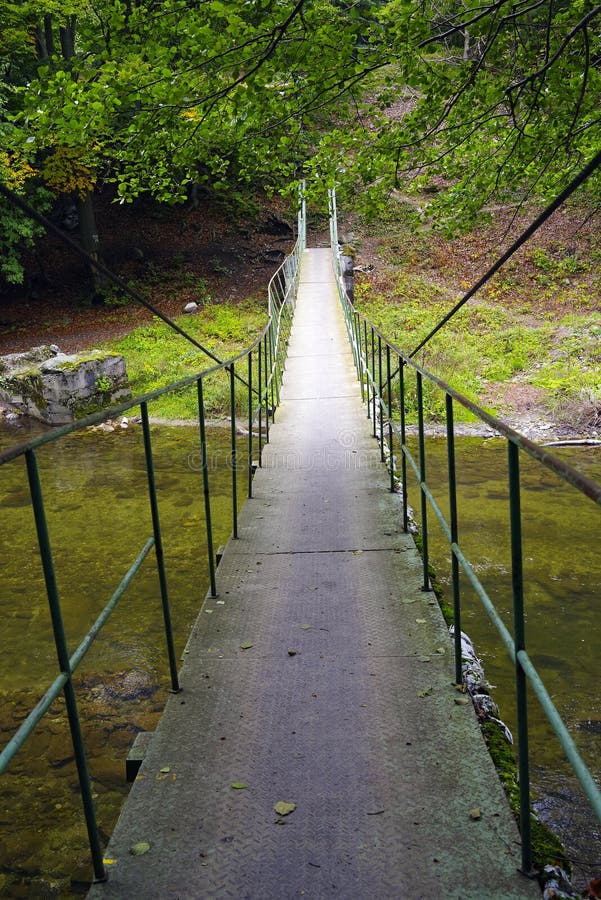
column 171, row 255
column 211, row 256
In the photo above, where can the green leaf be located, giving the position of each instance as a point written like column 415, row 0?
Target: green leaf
column 140, row 848
column 284, row 808
column 238, row 785
column 245, row 646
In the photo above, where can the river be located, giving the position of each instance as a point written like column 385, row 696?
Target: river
column 95, row 489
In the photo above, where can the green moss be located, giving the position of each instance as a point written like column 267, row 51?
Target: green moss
column 81, row 410
column 547, row 849
column 70, row 364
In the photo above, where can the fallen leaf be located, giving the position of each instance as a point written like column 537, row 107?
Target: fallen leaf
column 292, row 652
column 284, row 808
column 245, row 646
column 238, row 785
column 426, row 692
column 475, row 813
column 441, row 651
column 421, row 621
column 305, row 627
column 164, row 770
column 424, row 659
column 461, row 701
column 109, row 862
column 140, row 848
column 209, row 612
column 410, row 600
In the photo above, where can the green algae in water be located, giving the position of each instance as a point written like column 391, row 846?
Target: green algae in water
column 562, row 583
column 96, row 498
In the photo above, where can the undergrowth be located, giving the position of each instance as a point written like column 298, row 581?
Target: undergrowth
column 156, row 355
column 485, row 344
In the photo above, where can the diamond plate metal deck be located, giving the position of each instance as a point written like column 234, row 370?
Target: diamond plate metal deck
column 343, row 704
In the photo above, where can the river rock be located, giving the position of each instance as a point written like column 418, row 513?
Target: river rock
column 58, row 388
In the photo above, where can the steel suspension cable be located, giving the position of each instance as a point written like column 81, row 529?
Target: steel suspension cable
column 534, row 226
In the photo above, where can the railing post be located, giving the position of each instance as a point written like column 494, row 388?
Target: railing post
column 366, row 366
column 403, row 444
column 390, row 433
column 158, row 547
column 360, row 355
column 250, row 424
column 205, row 483
column 373, row 378
column 272, row 370
column 267, row 387
column 520, row 644
column 454, row 537
column 260, row 381
column 422, row 479
column 381, row 398
column 62, row 653
column 233, row 455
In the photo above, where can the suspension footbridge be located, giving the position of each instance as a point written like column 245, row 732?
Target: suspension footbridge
column 322, row 678
column 315, row 742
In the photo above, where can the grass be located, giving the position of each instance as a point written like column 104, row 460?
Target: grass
column 537, row 322
column 156, row 355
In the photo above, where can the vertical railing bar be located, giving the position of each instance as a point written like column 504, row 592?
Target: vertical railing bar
column 274, row 369
column 360, row 355
column 517, row 580
column 233, row 455
column 403, row 444
column 366, row 368
column 454, row 536
column 381, row 398
column 390, row 433
column 267, row 386
column 205, row 483
column 158, row 547
column 250, row 424
column 62, row 653
column 422, row 478
column 260, row 380
column 373, row 377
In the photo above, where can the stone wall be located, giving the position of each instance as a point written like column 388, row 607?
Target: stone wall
column 59, row 388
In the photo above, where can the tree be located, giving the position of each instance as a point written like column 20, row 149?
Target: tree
column 157, row 96
column 504, row 101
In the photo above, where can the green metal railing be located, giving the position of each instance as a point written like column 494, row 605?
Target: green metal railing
column 263, row 365
column 379, row 364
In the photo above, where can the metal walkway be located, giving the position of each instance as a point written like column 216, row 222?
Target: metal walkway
column 344, row 703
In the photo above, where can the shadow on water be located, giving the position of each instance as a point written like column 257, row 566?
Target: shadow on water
column 96, row 501
column 562, row 595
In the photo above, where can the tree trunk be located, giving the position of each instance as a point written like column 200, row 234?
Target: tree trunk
column 88, row 235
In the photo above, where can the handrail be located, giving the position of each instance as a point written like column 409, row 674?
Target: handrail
column 270, row 349
column 373, row 354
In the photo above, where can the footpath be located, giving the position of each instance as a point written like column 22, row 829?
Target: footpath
column 321, row 677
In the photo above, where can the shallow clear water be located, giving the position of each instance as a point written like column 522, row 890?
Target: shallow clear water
column 96, row 499
column 562, row 575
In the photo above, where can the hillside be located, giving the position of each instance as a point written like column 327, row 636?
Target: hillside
column 528, row 346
